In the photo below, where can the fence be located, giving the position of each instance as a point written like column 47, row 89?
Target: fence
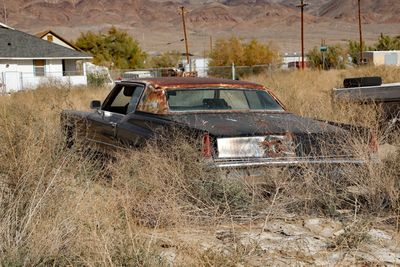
column 228, row 72
column 15, row 81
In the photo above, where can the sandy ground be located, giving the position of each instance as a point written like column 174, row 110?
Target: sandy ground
column 289, row 240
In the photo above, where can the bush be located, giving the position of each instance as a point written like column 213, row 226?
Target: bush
column 387, row 43
column 165, row 60
column 234, row 50
column 97, row 79
column 335, row 57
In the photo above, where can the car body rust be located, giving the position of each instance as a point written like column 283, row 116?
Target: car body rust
column 154, row 99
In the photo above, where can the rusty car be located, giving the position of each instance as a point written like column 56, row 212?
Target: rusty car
column 239, row 124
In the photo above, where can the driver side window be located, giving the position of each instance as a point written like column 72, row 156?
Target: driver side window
column 125, row 100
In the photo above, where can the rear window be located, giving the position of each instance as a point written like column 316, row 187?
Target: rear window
column 221, row 99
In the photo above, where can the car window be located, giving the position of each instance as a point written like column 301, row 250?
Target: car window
column 133, row 102
column 235, row 99
column 187, row 99
column 125, row 99
column 221, row 99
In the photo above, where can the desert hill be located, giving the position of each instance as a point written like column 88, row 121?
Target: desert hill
column 156, row 22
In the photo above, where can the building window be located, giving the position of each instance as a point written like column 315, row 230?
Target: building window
column 38, row 67
column 50, row 38
column 72, row 67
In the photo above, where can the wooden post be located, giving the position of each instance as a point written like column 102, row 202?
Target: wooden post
column 360, row 30
column 186, row 39
column 301, row 6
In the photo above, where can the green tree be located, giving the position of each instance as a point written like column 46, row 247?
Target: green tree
column 227, row 51
column 165, row 60
column 114, row 49
column 334, row 57
column 386, row 43
column 235, row 50
column 353, row 50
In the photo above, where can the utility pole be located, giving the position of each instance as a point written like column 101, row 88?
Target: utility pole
column 360, row 29
column 301, row 6
column 186, row 39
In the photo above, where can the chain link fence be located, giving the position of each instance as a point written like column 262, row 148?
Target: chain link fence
column 16, row 81
column 228, row 72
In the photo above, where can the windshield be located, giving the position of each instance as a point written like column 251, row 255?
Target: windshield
column 221, row 99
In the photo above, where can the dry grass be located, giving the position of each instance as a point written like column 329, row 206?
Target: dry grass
column 64, row 207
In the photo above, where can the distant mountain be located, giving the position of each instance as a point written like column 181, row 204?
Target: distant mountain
column 157, row 21
column 382, row 11
column 27, row 13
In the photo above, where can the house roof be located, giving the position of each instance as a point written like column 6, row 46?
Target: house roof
column 15, row 44
column 44, row 33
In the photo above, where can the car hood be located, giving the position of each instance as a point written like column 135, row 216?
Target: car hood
column 253, row 123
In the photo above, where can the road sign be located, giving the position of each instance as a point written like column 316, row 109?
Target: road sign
column 323, row 48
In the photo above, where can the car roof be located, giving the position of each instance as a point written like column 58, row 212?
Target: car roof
column 195, row 82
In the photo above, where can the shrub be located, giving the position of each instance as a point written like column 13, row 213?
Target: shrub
column 165, row 60
column 335, row 57
column 97, row 79
column 234, row 50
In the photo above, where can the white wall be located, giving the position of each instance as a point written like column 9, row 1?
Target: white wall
column 16, row 75
column 383, row 57
column 58, row 41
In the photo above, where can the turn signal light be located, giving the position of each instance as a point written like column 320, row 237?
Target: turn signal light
column 207, row 148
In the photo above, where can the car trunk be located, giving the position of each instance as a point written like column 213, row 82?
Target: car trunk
column 261, row 134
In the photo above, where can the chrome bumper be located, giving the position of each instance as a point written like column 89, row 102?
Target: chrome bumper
column 249, row 163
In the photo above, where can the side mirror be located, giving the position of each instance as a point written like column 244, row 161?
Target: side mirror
column 95, row 104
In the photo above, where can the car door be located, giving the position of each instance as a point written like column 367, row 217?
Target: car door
column 103, row 123
column 132, row 129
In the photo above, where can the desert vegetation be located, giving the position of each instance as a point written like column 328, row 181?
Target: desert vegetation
column 337, row 56
column 71, row 207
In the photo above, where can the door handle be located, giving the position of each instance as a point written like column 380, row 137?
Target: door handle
column 114, row 125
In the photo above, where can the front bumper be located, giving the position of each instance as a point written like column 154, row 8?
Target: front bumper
column 287, row 162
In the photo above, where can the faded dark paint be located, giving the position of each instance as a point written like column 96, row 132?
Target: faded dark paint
column 152, row 118
column 252, row 123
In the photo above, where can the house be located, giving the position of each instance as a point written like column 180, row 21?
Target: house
column 378, row 58
column 26, row 61
column 57, row 39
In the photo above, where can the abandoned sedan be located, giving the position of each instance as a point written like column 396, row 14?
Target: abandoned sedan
column 240, row 124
